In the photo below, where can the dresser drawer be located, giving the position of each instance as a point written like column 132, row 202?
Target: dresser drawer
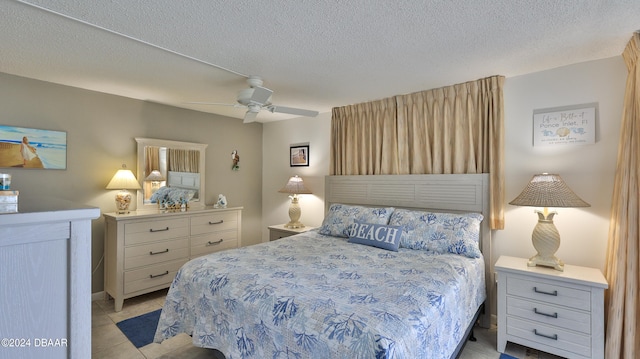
column 152, row 276
column 550, row 336
column 561, row 317
column 213, row 242
column 149, row 231
column 549, row 292
column 155, row 253
column 214, row 222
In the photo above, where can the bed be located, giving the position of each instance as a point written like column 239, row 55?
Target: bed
column 324, row 294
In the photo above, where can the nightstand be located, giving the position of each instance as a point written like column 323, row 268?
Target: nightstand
column 280, row 231
column 557, row 312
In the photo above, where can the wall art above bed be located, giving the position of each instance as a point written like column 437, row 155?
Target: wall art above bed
column 32, row 148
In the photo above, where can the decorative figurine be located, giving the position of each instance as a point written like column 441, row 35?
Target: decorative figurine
column 236, row 159
column 222, row 202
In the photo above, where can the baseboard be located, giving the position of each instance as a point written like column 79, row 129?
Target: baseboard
column 97, row 296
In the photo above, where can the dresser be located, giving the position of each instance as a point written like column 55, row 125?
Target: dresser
column 144, row 249
column 280, row 231
column 45, row 272
column 557, row 312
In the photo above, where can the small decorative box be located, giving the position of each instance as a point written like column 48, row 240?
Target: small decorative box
column 8, row 201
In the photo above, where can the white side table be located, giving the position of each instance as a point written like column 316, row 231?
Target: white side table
column 557, row 312
column 280, row 231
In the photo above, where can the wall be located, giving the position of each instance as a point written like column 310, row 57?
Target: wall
column 100, row 138
column 588, row 169
column 277, row 137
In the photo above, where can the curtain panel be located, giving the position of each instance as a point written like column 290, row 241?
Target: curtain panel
column 183, row 160
column 454, row 129
column 622, row 269
column 152, row 159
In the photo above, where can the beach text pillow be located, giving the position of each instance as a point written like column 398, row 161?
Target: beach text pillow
column 376, row 235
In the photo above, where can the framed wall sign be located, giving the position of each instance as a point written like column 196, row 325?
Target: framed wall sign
column 299, row 156
column 32, row 148
column 569, row 125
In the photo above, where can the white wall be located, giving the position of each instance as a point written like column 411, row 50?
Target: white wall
column 588, row 169
column 277, row 137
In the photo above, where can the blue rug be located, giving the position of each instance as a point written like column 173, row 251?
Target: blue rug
column 140, row 330
column 506, row 356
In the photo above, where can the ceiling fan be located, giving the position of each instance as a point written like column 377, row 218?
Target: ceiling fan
column 257, row 98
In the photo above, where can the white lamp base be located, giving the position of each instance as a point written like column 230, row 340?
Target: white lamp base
column 546, row 240
column 294, row 214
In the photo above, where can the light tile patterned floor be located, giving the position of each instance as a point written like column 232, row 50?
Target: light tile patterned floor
column 109, row 342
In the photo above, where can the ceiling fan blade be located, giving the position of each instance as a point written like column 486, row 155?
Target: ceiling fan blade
column 261, row 95
column 250, row 116
column 216, row 104
column 293, row 111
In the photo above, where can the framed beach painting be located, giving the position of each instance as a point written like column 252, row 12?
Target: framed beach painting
column 32, row 148
column 299, row 156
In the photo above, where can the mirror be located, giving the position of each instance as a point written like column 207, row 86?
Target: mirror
column 171, row 164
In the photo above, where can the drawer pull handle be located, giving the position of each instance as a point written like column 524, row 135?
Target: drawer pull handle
column 158, row 230
column 154, row 253
column 158, row 275
column 210, row 243
column 554, row 315
column 554, row 293
column 219, row 222
column 552, row 337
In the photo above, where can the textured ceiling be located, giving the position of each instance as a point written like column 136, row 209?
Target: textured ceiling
column 314, row 54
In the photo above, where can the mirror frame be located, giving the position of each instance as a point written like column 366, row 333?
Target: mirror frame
column 143, row 142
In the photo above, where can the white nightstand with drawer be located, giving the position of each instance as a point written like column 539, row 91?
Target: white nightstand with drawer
column 557, row 312
column 280, row 231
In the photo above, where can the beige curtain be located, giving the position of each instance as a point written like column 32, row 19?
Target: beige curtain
column 364, row 139
column 152, row 159
column 454, row 129
column 183, row 160
column 623, row 258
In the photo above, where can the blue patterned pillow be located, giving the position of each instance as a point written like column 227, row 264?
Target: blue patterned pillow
column 439, row 232
column 341, row 216
column 376, row 235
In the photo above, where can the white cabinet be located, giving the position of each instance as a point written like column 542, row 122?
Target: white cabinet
column 45, row 272
column 145, row 249
column 557, row 312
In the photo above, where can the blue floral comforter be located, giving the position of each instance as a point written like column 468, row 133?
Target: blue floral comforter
column 316, row 296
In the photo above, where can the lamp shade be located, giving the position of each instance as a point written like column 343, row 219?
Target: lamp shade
column 548, row 190
column 295, row 185
column 155, row 175
column 123, row 179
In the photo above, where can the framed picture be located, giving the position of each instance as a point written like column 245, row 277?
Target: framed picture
column 32, row 148
column 299, row 156
column 568, row 125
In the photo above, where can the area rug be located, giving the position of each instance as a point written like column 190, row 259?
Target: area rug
column 140, row 330
column 506, row 356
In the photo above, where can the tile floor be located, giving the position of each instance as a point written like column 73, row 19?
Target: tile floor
column 109, row 342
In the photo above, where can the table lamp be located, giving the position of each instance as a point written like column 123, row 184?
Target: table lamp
column 155, row 177
column 547, row 190
column 123, row 180
column 294, row 186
